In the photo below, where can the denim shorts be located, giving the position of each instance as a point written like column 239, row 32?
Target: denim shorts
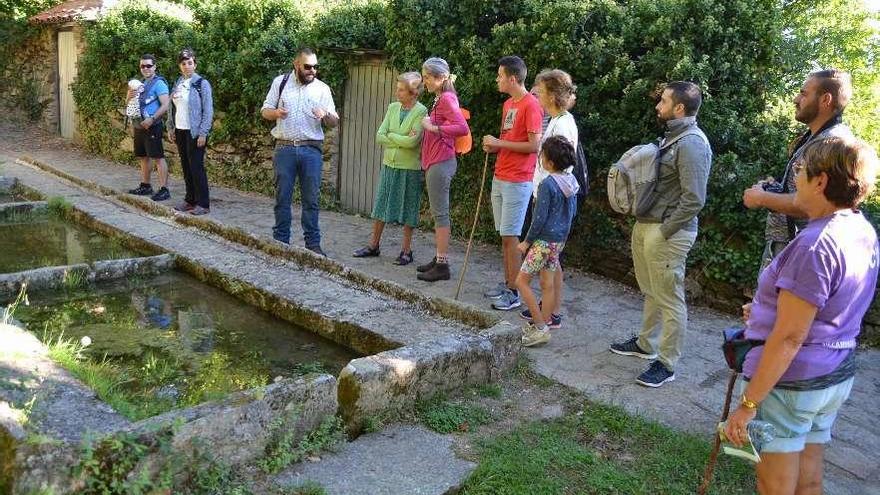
column 801, row 416
column 509, row 203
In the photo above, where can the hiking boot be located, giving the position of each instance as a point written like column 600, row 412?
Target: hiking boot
column 495, row 292
column 427, row 266
column 161, row 195
column 317, row 250
column 508, row 300
column 404, row 258
column 184, row 207
column 199, row 210
column 533, row 336
column 440, row 271
column 657, row 374
column 142, row 190
column 631, row 348
column 366, row 252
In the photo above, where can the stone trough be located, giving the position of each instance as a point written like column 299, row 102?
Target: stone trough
column 415, row 345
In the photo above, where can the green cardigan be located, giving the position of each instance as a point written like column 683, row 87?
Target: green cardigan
column 401, row 148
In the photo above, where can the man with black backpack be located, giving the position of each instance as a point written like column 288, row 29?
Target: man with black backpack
column 149, row 128
column 665, row 231
column 299, row 105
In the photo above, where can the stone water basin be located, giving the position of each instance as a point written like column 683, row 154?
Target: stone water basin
column 40, row 239
column 171, row 341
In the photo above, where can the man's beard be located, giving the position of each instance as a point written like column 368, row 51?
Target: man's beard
column 806, row 114
column 301, row 76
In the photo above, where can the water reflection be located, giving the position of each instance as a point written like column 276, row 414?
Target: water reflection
column 179, row 342
column 34, row 242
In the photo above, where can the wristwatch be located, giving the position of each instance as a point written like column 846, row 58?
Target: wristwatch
column 745, row 402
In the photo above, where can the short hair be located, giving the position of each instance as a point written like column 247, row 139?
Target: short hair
column 686, row 93
column 304, row 50
column 148, row 56
column 514, row 66
column 438, row 67
column 186, row 53
column 850, row 164
column 559, row 150
column 837, row 83
column 413, row 81
column 559, row 85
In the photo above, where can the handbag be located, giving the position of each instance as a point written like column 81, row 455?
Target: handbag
column 736, row 347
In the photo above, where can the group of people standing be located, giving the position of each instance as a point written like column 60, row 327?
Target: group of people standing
column 819, row 268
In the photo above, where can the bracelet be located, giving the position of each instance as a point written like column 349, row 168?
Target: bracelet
column 745, row 402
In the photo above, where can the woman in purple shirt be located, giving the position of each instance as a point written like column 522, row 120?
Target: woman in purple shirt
column 809, row 307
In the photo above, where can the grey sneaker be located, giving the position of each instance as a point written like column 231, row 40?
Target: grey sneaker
column 631, row 348
column 199, row 210
column 508, row 300
column 657, row 374
column 495, row 292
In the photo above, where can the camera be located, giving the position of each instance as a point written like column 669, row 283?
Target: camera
column 774, row 187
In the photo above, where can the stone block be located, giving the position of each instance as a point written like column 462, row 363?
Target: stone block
column 395, row 380
column 238, row 428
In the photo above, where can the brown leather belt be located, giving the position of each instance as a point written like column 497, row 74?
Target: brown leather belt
column 315, row 143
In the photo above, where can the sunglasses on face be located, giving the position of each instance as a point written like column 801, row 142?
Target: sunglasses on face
column 310, row 67
column 147, row 66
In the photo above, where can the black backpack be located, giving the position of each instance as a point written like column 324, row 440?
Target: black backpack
column 581, row 172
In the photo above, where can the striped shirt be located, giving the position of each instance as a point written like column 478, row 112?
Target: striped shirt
column 299, row 100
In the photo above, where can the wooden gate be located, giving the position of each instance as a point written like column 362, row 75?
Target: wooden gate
column 368, row 91
column 66, row 75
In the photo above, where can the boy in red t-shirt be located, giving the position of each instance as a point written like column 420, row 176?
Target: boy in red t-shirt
column 517, row 148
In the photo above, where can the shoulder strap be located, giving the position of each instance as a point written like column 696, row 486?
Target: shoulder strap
column 198, row 85
column 694, row 131
column 281, row 88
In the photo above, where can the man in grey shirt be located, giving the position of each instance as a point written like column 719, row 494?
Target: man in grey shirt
column 819, row 105
column 662, row 238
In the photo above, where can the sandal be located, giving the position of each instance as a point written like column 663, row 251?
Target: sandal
column 366, row 252
column 404, row 258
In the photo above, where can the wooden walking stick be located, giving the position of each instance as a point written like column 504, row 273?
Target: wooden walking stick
column 713, row 456
column 467, row 252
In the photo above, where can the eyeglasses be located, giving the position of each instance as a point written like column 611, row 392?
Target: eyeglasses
column 797, row 168
column 310, row 67
column 147, row 66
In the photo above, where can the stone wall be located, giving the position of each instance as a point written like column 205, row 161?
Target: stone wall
column 32, row 78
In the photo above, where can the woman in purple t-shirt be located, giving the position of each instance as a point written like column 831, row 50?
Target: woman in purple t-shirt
column 809, row 307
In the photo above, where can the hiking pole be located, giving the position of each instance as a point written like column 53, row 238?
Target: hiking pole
column 467, row 251
column 713, row 456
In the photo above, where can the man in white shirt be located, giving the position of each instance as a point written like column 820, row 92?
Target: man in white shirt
column 299, row 106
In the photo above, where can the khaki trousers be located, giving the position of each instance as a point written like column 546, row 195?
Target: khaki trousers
column 659, row 265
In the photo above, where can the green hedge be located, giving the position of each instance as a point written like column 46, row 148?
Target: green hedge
column 618, row 53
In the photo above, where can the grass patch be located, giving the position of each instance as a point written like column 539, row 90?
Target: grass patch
column 105, row 378
column 525, row 369
column 282, row 451
column 490, row 390
column 604, row 450
column 308, row 488
column 443, row 416
column 59, row 206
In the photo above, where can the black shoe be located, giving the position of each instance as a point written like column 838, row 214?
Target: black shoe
column 404, row 258
column 427, row 266
column 440, row 271
column 142, row 190
column 631, row 348
column 657, row 374
column 317, row 250
column 366, row 252
column 161, row 195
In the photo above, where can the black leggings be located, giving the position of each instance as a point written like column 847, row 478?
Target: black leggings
column 192, row 161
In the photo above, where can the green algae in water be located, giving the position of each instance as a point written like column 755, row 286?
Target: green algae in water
column 172, row 341
column 39, row 240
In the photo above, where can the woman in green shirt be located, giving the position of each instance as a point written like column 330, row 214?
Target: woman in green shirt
column 399, row 195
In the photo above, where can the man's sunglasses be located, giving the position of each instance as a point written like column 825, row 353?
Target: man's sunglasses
column 147, row 66
column 310, row 67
